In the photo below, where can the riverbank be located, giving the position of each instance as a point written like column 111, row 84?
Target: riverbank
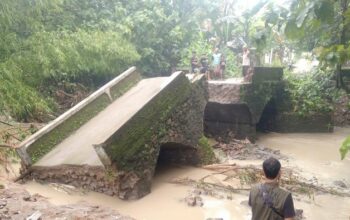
column 314, row 158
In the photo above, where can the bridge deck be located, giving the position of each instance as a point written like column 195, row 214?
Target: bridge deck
column 78, row 149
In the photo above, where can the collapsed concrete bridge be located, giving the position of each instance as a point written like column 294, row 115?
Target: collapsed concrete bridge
column 112, row 141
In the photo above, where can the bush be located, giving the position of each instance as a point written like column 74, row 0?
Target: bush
column 310, row 93
column 345, row 148
column 20, row 100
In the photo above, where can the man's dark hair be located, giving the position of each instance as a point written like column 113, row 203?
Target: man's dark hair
column 271, row 168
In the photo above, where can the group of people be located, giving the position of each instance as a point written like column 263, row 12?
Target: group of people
column 215, row 69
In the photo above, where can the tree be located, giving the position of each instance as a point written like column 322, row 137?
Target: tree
column 46, row 43
column 328, row 23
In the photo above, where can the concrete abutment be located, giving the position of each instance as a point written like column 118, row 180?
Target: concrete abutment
column 239, row 108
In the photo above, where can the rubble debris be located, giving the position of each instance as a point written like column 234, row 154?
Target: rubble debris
column 245, row 150
column 17, row 203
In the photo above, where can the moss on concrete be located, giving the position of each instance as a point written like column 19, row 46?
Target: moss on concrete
column 206, row 152
column 132, row 148
column 256, row 96
column 124, row 85
column 47, row 142
column 289, row 122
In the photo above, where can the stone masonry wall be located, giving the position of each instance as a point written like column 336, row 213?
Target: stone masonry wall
column 234, row 109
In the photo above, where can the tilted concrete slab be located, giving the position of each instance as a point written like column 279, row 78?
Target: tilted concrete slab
column 42, row 142
column 78, row 149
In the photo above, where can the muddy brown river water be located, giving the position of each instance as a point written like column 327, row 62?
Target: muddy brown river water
column 316, row 156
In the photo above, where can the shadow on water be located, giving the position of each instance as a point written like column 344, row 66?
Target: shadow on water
column 175, row 155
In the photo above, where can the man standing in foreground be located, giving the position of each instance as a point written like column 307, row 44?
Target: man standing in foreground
column 268, row 201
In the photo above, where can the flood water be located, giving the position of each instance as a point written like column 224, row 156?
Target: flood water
column 315, row 155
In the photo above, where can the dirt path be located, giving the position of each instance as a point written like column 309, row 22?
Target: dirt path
column 78, row 148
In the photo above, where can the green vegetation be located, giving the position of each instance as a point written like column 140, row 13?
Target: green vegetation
column 309, row 94
column 322, row 26
column 51, row 139
column 46, row 44
column 345, row 148
column 206, row 151
column 136, row 142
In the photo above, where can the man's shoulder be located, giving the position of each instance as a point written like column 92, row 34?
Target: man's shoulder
column 282, row 193
column 255, row 188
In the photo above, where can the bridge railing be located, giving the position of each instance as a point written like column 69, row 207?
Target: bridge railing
column 37, row 145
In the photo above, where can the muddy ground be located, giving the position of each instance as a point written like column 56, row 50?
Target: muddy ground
column 17, row 203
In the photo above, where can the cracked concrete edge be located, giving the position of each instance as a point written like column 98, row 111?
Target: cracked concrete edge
column 101, row 153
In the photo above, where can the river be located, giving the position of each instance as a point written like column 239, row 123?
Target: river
column 316, row 155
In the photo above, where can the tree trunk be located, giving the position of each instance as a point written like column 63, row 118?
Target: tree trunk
column 339, row 78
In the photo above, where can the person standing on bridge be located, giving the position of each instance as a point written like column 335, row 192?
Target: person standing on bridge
column 222, row 66
column 246, row 61
column 216, row 58
column 205, row 65
column 194, row 62
column 268, row 201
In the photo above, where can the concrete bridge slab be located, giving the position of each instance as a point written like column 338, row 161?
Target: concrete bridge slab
column 110, row 142
column 78, row 149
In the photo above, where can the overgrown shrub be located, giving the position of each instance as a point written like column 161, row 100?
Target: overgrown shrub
column 310, row 93
column 345, row 148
